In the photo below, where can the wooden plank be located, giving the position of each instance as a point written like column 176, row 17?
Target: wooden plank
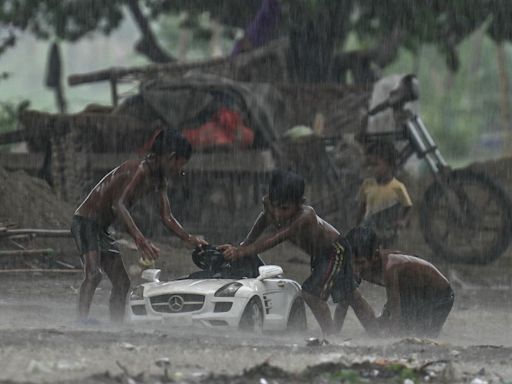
column 39, row 270
column 243, row 161
column 223, row 63
column 120, row 72
column 21, row 161
column 35, row 232
column 27, row 252
column 12, row 136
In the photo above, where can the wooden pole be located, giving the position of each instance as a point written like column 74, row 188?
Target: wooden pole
column 27, row 252
column 113, row 91
column 35, row 232
column 40, row 270
column 119, row 72
column 504, row 94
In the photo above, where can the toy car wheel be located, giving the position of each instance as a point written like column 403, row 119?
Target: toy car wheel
column 297, row 317
column 252, row 318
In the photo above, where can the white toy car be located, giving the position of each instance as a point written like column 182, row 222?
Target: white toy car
column 245, row 294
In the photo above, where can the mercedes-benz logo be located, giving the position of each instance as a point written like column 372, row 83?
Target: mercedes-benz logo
column 175, row 303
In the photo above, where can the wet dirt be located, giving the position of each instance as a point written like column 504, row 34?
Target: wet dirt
column 40, row 341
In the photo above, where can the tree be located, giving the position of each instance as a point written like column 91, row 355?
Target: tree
column 318, row 30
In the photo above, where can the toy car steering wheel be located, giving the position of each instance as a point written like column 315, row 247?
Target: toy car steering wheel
column 209, row 258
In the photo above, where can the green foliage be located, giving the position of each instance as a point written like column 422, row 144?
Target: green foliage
column 229, row 12
column 67, row 20
column 402, row 372
column 9, row 115
column 458, row 108
column 319, row 26
column 200, row 26
column 440, row 22
column 349, row 376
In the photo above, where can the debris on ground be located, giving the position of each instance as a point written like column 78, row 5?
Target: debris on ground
column 315, row 342
column 386, row 371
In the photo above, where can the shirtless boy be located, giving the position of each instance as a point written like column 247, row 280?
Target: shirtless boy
column 110, row 199
column 419, row 297
column 285, row 213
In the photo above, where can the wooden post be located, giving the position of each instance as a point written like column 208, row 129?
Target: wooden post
column 504, row 94
column 113, row 90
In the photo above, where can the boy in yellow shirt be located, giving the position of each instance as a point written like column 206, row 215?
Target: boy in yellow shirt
column 384, row 200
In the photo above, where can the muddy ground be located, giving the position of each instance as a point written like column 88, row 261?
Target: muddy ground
column 41, row 342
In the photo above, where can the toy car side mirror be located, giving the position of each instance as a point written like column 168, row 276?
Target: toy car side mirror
column 269, row 271
column 151, row 275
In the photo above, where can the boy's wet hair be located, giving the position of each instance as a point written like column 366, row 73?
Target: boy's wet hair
column 363, row 242
column 384, row 150
column 169, row 140
column 286, row 187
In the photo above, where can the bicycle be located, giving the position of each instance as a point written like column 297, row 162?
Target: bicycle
column 464, row 216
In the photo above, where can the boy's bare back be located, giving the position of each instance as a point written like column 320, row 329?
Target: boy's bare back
column 412, row 271
column 307, row 230
column 99, row 204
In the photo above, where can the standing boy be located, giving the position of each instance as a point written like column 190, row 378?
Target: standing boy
column 384, row 201
column 110, row 199
column 419, row 297
column 289, row 218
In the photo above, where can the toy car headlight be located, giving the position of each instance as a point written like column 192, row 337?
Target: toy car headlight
column 137, row 293
column 228, row 290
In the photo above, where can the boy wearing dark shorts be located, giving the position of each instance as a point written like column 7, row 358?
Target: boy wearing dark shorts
column 419, row 297
column 110, row 199
column 285, row 213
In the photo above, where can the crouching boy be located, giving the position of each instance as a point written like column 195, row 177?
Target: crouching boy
column 285, row 213
column 419, row 297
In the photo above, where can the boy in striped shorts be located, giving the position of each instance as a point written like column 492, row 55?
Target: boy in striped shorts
column 288, row 218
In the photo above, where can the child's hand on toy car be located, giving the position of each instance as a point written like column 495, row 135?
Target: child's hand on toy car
column 196, row 242
column 230, row 252
column 149, row 250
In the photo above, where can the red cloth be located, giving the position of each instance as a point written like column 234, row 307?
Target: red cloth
column 226, row 129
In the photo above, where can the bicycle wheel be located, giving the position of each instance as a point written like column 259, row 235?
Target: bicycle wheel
column 468, row 220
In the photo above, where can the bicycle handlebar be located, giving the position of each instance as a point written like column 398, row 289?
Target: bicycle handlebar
column 405, row 91
column 379, row 108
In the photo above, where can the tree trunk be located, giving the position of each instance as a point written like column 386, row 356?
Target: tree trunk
column 147, row 45
column 504, row 93
column 216, row 39
column 313, row 35
column 184, row 39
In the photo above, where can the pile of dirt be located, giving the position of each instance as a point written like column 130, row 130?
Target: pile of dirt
column 29, row 202
column 500, row 170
